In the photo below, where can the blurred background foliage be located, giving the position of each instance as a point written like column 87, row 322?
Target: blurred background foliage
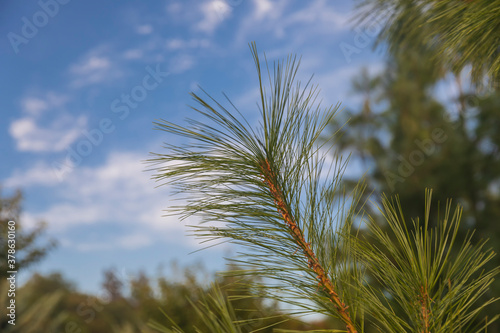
column 128, row 302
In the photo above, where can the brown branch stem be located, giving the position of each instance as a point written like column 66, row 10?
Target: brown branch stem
column 323, row 280
column 424, row 302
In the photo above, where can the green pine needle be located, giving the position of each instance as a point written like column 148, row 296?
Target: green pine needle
column 269, row 189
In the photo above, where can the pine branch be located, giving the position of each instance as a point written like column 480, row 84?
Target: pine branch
column 324, row 281
column 267, row 189
column 437, row 285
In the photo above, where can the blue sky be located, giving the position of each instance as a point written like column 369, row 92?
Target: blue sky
column 82, row 82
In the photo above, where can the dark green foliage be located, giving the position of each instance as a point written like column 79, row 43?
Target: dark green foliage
column 36, row 309
column 28, row 251
column 456, row 33
column 52, row 304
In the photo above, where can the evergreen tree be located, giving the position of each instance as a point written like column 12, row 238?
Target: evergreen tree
column 457, row 33
column 27, row 251
column 37, row 308
column 112, row 285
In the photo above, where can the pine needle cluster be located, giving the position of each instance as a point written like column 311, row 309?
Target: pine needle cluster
column 276, row 192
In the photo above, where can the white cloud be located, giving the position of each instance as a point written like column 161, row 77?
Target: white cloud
column 130, row 241
column 133, row 54
column 334, row 84
column 262, row 8
column 266, row 17
column 321, row 12
column 180, row 44
column 66, row 214
column 134, row 241
column 45, row 126
column 314, row 18
column 30, row 222
column 144, row 29
column 214, row 13
column 180, row 64
column 39, row 174
column 90, row 71
column 92, row 63
column 89, row 246
column 119, row 191
column 34, row 106
column 93, row 68
column 248, row 99
column 55, row 137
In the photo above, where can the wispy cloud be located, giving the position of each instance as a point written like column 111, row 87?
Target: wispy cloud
column 213, row 13
column 34, row 105
column 31, row 137
column 144, row 29
column 313, row 19
column 199, row 16
column 93, row 68
column 40, row 174
column 325, row 16
column 133, row 54
column 263, row 8
column 35, row 132
column 130, row 242
column 91, row 64
column 180, row 63
column 118, row 191
column 181, row 44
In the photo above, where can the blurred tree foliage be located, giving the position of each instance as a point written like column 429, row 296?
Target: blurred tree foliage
column 52, row 304
column 28, row 249
column 460, row 34
column 35, row 310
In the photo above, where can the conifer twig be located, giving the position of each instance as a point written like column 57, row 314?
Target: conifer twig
column 266, row 189
column 270, row 181
column 424, row 299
